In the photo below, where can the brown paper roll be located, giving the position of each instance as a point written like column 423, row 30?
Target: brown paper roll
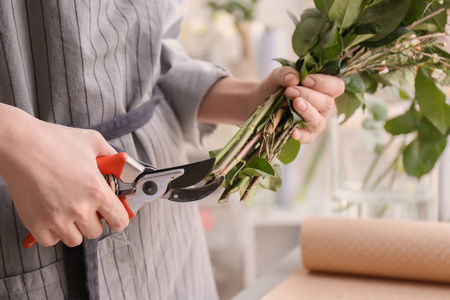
column 383, row 248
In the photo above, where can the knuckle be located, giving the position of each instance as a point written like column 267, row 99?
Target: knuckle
column 94, row 233
column 320, row 125
column 96, row 191
column 73, row 241
column 95, row 138
column 80, row 213
column 329, row 103
column 119, row 223
column 94, row 135
column 47, row 242
column 53, row 220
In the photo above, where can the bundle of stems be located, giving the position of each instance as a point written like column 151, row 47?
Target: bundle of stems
column 263, row 135
column 248, row 159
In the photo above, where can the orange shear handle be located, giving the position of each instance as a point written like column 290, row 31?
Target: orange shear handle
column 110, row 164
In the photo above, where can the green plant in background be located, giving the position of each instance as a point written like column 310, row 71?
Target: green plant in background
column 371, row 44
column 241, row 10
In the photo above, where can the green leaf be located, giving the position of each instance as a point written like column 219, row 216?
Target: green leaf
column 329, row 54
column 272, row 183
column 354, row 39
column 404, row 95
column 290, row 151
column 354, row 83
column 250, row 197
column 368, row 28
column 415, row 11
column 296, row 118
column 420, row 157
column 309, row 66
column 428, row 133
column 330, row 43
column 306, row 34
column 293, row 17
column 432, row 100
column 329, row 36
column 375, row 2
column 348, row 103
column 234, row 172
column 398, row 32
column 323, row 5
column 331, row 68
column 285, row 62
column 434, row 24
column 346, row 12
column 386, row 16
column 378, row 110
column 241, row 185
column 370, row 83
column 311, row 13
column 403, row 124
column 379, row 78
column 257, row 167
column 213, row 153
column 440, row 51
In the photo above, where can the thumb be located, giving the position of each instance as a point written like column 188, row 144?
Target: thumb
column 279, row 77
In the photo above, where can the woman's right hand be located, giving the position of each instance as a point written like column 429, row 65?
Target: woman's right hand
column 53, row 179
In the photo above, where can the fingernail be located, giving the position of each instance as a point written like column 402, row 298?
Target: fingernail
column 301, row 105
column 309, row 82
column 289, row 77
column 293, row 92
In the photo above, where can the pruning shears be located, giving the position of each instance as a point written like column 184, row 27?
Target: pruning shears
column 136, row 183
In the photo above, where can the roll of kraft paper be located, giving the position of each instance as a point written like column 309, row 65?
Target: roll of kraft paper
column 382, row 248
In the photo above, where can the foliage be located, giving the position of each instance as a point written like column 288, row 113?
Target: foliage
column 241, row 10
column 371, row 44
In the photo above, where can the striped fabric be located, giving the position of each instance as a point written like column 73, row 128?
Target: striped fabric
column 81, row 62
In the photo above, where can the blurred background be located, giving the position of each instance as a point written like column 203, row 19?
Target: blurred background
column 342, row 173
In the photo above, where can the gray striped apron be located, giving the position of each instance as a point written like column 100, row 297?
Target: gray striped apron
column 80, row 63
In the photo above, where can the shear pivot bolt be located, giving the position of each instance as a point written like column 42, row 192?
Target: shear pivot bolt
column 150, row 188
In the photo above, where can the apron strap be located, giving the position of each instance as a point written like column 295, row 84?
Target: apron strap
column 82, row 270
column 81, row 262
column 132, row 120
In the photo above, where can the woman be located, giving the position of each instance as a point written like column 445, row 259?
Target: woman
column 67, row 67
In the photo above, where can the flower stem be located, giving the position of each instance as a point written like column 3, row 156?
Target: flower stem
column 247, row 131
column 243, row 153
column 426, row 18
column 375, row 162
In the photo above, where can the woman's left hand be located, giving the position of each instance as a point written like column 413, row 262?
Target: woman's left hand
column 313, row 100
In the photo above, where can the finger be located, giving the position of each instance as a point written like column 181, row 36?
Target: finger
column 69, row 234
column 327, row 84
column 322, row 102
column 303, row 135
column 113, row 211
column 284, row 76
column 312, row 117
column 46, row 238
column 91, row 227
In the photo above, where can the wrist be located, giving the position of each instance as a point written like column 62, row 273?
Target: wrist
column 15, row 126
column 229, row 101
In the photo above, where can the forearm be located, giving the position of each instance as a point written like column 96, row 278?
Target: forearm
column 229, row 100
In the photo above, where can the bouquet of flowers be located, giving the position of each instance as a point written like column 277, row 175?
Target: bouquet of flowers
column 370, row 44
